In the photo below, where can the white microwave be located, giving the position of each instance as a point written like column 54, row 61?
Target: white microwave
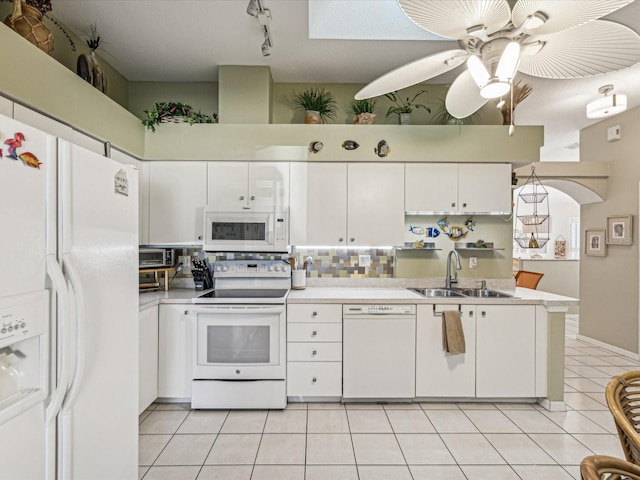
column 252, row 231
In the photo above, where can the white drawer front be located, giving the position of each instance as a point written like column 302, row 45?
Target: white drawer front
column 314, row 313
column 314, row 332
column 314, row 379
column 314, row 352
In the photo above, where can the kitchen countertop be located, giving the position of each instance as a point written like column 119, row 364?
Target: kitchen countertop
column 356, row 294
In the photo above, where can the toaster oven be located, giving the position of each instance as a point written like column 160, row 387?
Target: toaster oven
column 156, row 257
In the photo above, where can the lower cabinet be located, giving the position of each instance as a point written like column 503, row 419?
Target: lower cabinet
column 314, row 350
column 438, row 373
column 500, row 356
column 174, row 352
column 506, row 351
column 148, row 357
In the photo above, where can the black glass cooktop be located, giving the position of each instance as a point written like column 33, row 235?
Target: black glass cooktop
column 246, row 293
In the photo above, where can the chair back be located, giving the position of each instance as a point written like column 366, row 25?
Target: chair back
column 623, row 398
column 601, row 467
column 528, row 279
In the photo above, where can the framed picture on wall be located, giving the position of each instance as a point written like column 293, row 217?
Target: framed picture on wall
column 620, row 230
column 594, row 243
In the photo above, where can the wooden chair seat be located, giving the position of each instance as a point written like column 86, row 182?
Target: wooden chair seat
column 528, row 279
column 623, row 398
column 601, row 467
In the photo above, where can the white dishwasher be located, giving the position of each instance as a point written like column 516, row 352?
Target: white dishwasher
column 379, row 354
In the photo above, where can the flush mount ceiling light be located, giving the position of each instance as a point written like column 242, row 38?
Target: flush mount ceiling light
column 608, row 105
column 256, row 9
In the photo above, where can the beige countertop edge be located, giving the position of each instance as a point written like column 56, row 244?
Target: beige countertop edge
column 522, row 296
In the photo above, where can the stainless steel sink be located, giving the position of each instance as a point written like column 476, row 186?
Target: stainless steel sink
column 482, row 293
column 460, row 292
column 437, row 292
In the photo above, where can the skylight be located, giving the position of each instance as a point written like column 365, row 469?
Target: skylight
column 362, row 20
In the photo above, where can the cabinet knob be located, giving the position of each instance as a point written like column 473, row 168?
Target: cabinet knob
column 314, row 380
column 241, row 197
column 314, row 333
column 341, row 239
column 471, row 313
column 352, row 239
column 314, row 314
column 238, row 371
column 252, row 198
column 453, row 205
column 199, row 237
column 186, row 312
column 314, row 353
column 464, row 205
column 483, row 314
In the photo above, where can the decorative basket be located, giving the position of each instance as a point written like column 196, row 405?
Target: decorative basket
column 27, row 22
column 171, row 119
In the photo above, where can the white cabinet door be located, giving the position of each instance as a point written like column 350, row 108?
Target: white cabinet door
column 438, row 373
column 318, row 214
column 228, row 183
column 505, row 351
column 269, row 185
column 240, row 186
column 148, row 363
column 174, row 352
column 178, row 193
column 375, row 204
column 431, row 187
column 484, row 188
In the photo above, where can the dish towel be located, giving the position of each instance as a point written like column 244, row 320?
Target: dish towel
column 452, row 333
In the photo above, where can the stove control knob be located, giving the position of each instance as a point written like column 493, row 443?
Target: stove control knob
column 278, row 268
column 225, row 268
column 218, row 268
column 271, row 268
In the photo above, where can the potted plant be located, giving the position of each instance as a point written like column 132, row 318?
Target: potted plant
column 318, row 104
column 403, row 108
column 363, row 111
column 165, row 112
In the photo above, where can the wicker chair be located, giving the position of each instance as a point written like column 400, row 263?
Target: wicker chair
column 528, row 279
column 623, row 398
column 601, row 467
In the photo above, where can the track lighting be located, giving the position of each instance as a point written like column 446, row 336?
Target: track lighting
column 256, row 9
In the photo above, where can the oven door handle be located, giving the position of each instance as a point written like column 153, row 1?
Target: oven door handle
column 240, row 309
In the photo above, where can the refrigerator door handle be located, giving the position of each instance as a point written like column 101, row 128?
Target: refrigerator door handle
column 57, row 396
column 76, row 284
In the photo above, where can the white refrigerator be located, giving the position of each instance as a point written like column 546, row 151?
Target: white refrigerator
column 68, row 310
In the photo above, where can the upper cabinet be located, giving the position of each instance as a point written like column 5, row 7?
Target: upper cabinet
column 348, row 205
column 318, row 213
column 375, row 201
column 458, row 188
column 240, row 186
column 177, row 197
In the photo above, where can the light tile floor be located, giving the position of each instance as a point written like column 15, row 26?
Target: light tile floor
column 378, row 442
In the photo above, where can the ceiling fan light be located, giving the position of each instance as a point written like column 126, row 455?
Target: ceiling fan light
column 607, row 106
column 495, row 88
column 253, row 8
column 478, row 71
column 508, row 61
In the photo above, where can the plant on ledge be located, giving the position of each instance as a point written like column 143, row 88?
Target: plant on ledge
column 166, row 112
column 404, row 106
column 316, row 99
column 363, row 110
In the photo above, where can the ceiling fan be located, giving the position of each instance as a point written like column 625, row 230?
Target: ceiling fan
column 557, row 39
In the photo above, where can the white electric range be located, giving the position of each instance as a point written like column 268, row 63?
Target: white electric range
column 239, row 336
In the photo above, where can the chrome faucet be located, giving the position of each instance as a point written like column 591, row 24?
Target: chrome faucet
column 452, row 280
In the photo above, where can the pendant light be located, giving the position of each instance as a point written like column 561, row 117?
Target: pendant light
column 532, row 214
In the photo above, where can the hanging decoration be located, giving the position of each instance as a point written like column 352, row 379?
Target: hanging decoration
column 532, row 214
column 559, row 247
